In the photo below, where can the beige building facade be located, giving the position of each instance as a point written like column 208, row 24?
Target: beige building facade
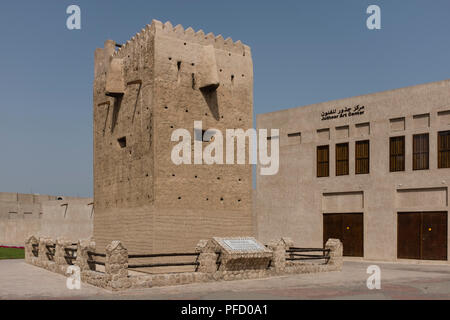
column 372, row 170
column 164, row 79
column 23, row 215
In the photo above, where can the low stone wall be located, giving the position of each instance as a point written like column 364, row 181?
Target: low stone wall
column 116, row 275
column 55, row 262
column 334, row 261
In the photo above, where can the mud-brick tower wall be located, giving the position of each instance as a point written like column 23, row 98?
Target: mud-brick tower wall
column 163, row 79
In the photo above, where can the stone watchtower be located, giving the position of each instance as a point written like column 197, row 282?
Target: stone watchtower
column 163, row 79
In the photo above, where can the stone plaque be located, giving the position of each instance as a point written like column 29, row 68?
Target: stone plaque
column 243, row 245
column 241, row 253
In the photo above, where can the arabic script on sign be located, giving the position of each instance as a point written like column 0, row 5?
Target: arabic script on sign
column 343, row 113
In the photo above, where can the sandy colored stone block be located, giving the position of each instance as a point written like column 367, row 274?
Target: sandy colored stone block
column 208, row 73
column 336, row 253
column 83, row 257
column 115, row 83
column 30, row 242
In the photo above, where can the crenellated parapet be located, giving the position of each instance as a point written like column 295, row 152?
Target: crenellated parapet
column 188, row 34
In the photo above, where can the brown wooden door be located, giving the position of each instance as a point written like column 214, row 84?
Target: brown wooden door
column 434, row 236
column 422, row 235
column 347, row 227
column 332, row 227
column 353, row 234
column 408, row 235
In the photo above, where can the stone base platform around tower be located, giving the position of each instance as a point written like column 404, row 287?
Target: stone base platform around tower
column 216, row 259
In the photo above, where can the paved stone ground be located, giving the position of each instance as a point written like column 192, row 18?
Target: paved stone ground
column 19, row 280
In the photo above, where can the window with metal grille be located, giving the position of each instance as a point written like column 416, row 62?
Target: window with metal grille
column 420, row 152
column 397, row 154
column 444, row 149
column 323, row 161
column 341, row 159
column 362, row 157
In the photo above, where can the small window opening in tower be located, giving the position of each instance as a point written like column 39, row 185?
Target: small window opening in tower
column 122, row 142
column 179, row 72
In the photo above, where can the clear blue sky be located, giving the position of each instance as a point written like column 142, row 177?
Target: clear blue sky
column 303, row 52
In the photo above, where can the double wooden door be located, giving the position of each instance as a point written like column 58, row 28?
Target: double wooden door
column 347, row 227
column 422, row 235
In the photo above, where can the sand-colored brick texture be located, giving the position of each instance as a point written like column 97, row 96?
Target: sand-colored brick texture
column 173, row 77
